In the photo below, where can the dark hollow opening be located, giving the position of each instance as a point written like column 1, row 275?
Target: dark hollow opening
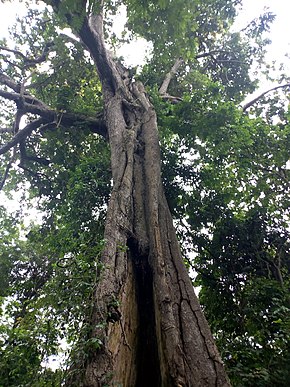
column 148, row 367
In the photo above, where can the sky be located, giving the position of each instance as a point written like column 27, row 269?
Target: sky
column 280, row 33
column 280, row 37
column 280, row 29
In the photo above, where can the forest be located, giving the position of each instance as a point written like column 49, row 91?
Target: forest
column 151, row 246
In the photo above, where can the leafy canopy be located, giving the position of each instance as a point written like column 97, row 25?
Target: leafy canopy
column 226, row 177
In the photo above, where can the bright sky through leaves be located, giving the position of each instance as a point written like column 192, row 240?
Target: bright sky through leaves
column 280, row 31
column 279, row 35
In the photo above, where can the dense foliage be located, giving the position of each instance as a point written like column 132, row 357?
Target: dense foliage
column 226, row 176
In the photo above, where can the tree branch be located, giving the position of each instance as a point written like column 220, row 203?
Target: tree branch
column 25, row 157
column 16, row 52
column 35, row 106
column 22, row 134
column 251, row 103
column 164, row 87
column 7, row 81
column 3, row 180
column 26, row 98
column 6, row 130
column 91, row 35
column 95, row 125
column 213, row 52
column 7, row 169
column 179, row 61
column 68, row 119
column 29, row 62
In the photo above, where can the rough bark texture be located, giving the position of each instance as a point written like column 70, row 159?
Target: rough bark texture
column 146, row 314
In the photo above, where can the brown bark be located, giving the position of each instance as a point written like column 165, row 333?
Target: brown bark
column 253, row 101
column 151, row 327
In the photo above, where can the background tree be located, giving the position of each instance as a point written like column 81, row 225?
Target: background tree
column 104, row 271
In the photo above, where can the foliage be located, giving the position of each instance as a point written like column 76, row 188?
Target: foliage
column 227, row 181
column 226, row 177
column 50, row 273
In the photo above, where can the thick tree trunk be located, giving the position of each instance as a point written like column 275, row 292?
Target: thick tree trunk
column 146, row 315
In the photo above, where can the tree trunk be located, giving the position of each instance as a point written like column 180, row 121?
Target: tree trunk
column 146, row 315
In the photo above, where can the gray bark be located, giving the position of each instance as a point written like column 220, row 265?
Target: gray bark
column 151, row 327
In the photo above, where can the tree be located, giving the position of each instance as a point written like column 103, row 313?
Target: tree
column 141, row 323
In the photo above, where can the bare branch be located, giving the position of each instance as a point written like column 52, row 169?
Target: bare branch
column 16, row 52
column 252, row 102
column 6, row 130
column 213, row 52
column 5, row 80
column 35, row 106
column 28, row 103
column 7, row 169
column 164, row 87
column 25, row 157
column 179, row 61
column 29, row 62
column 22, row 134
column 172, row 99
column 6, row 173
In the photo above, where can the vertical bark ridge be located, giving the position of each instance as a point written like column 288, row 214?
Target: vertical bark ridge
column 151, row 327
column 202, row 362
column 162, row 333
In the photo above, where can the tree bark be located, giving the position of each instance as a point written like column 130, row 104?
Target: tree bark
column 146, row 315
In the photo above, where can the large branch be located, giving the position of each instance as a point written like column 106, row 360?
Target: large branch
column 7, row 81
column 179, row 61
column 164, row 87
column 30, row 104
column 95, row 125
column 253, row 101
column 28, row 100
column 91, row 35
column 22, row 134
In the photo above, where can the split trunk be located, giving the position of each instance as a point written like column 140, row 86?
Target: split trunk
column 146, row 315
